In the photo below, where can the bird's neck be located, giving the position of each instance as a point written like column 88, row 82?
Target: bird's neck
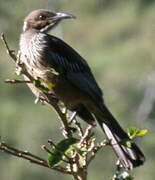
column 30, row 31
column 28, row 35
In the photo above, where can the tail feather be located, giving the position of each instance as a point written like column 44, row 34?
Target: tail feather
column 128, row 157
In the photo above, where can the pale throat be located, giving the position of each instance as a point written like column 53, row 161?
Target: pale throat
column 25, row 26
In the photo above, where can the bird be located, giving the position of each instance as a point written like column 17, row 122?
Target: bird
column 67, row 74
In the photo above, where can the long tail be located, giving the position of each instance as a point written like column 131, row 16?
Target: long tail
column 128, row 157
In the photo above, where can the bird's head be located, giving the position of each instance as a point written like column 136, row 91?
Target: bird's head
column 44, row 20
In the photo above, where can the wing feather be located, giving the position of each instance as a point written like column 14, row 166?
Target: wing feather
column 68, row 62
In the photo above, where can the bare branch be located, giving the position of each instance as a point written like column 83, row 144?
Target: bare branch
column 30, row 157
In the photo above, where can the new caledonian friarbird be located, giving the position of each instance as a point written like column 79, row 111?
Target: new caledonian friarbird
column 73, row 84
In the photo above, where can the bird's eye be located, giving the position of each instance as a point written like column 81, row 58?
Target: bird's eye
column 42, row 17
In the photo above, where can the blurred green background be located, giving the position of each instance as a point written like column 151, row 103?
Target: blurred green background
column 117, row 38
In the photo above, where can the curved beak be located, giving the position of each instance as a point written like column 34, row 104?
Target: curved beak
column 55, row 18
column 61, row 15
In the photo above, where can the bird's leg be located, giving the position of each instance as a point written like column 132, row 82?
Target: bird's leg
column 70, row 121
column 72, row 117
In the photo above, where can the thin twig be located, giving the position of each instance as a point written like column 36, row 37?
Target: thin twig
column 94, row 151
column 86, row 135
column 10, row 52
column 78, row 126
column 16, row 81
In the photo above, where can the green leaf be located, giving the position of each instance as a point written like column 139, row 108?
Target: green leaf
column 142, row 132
column 63, row 147
column 136, row 132
column 122, row 175
column 83, row 149
column 126, row 142
column 37, row 83
column 54, row 159
column 132, row 131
